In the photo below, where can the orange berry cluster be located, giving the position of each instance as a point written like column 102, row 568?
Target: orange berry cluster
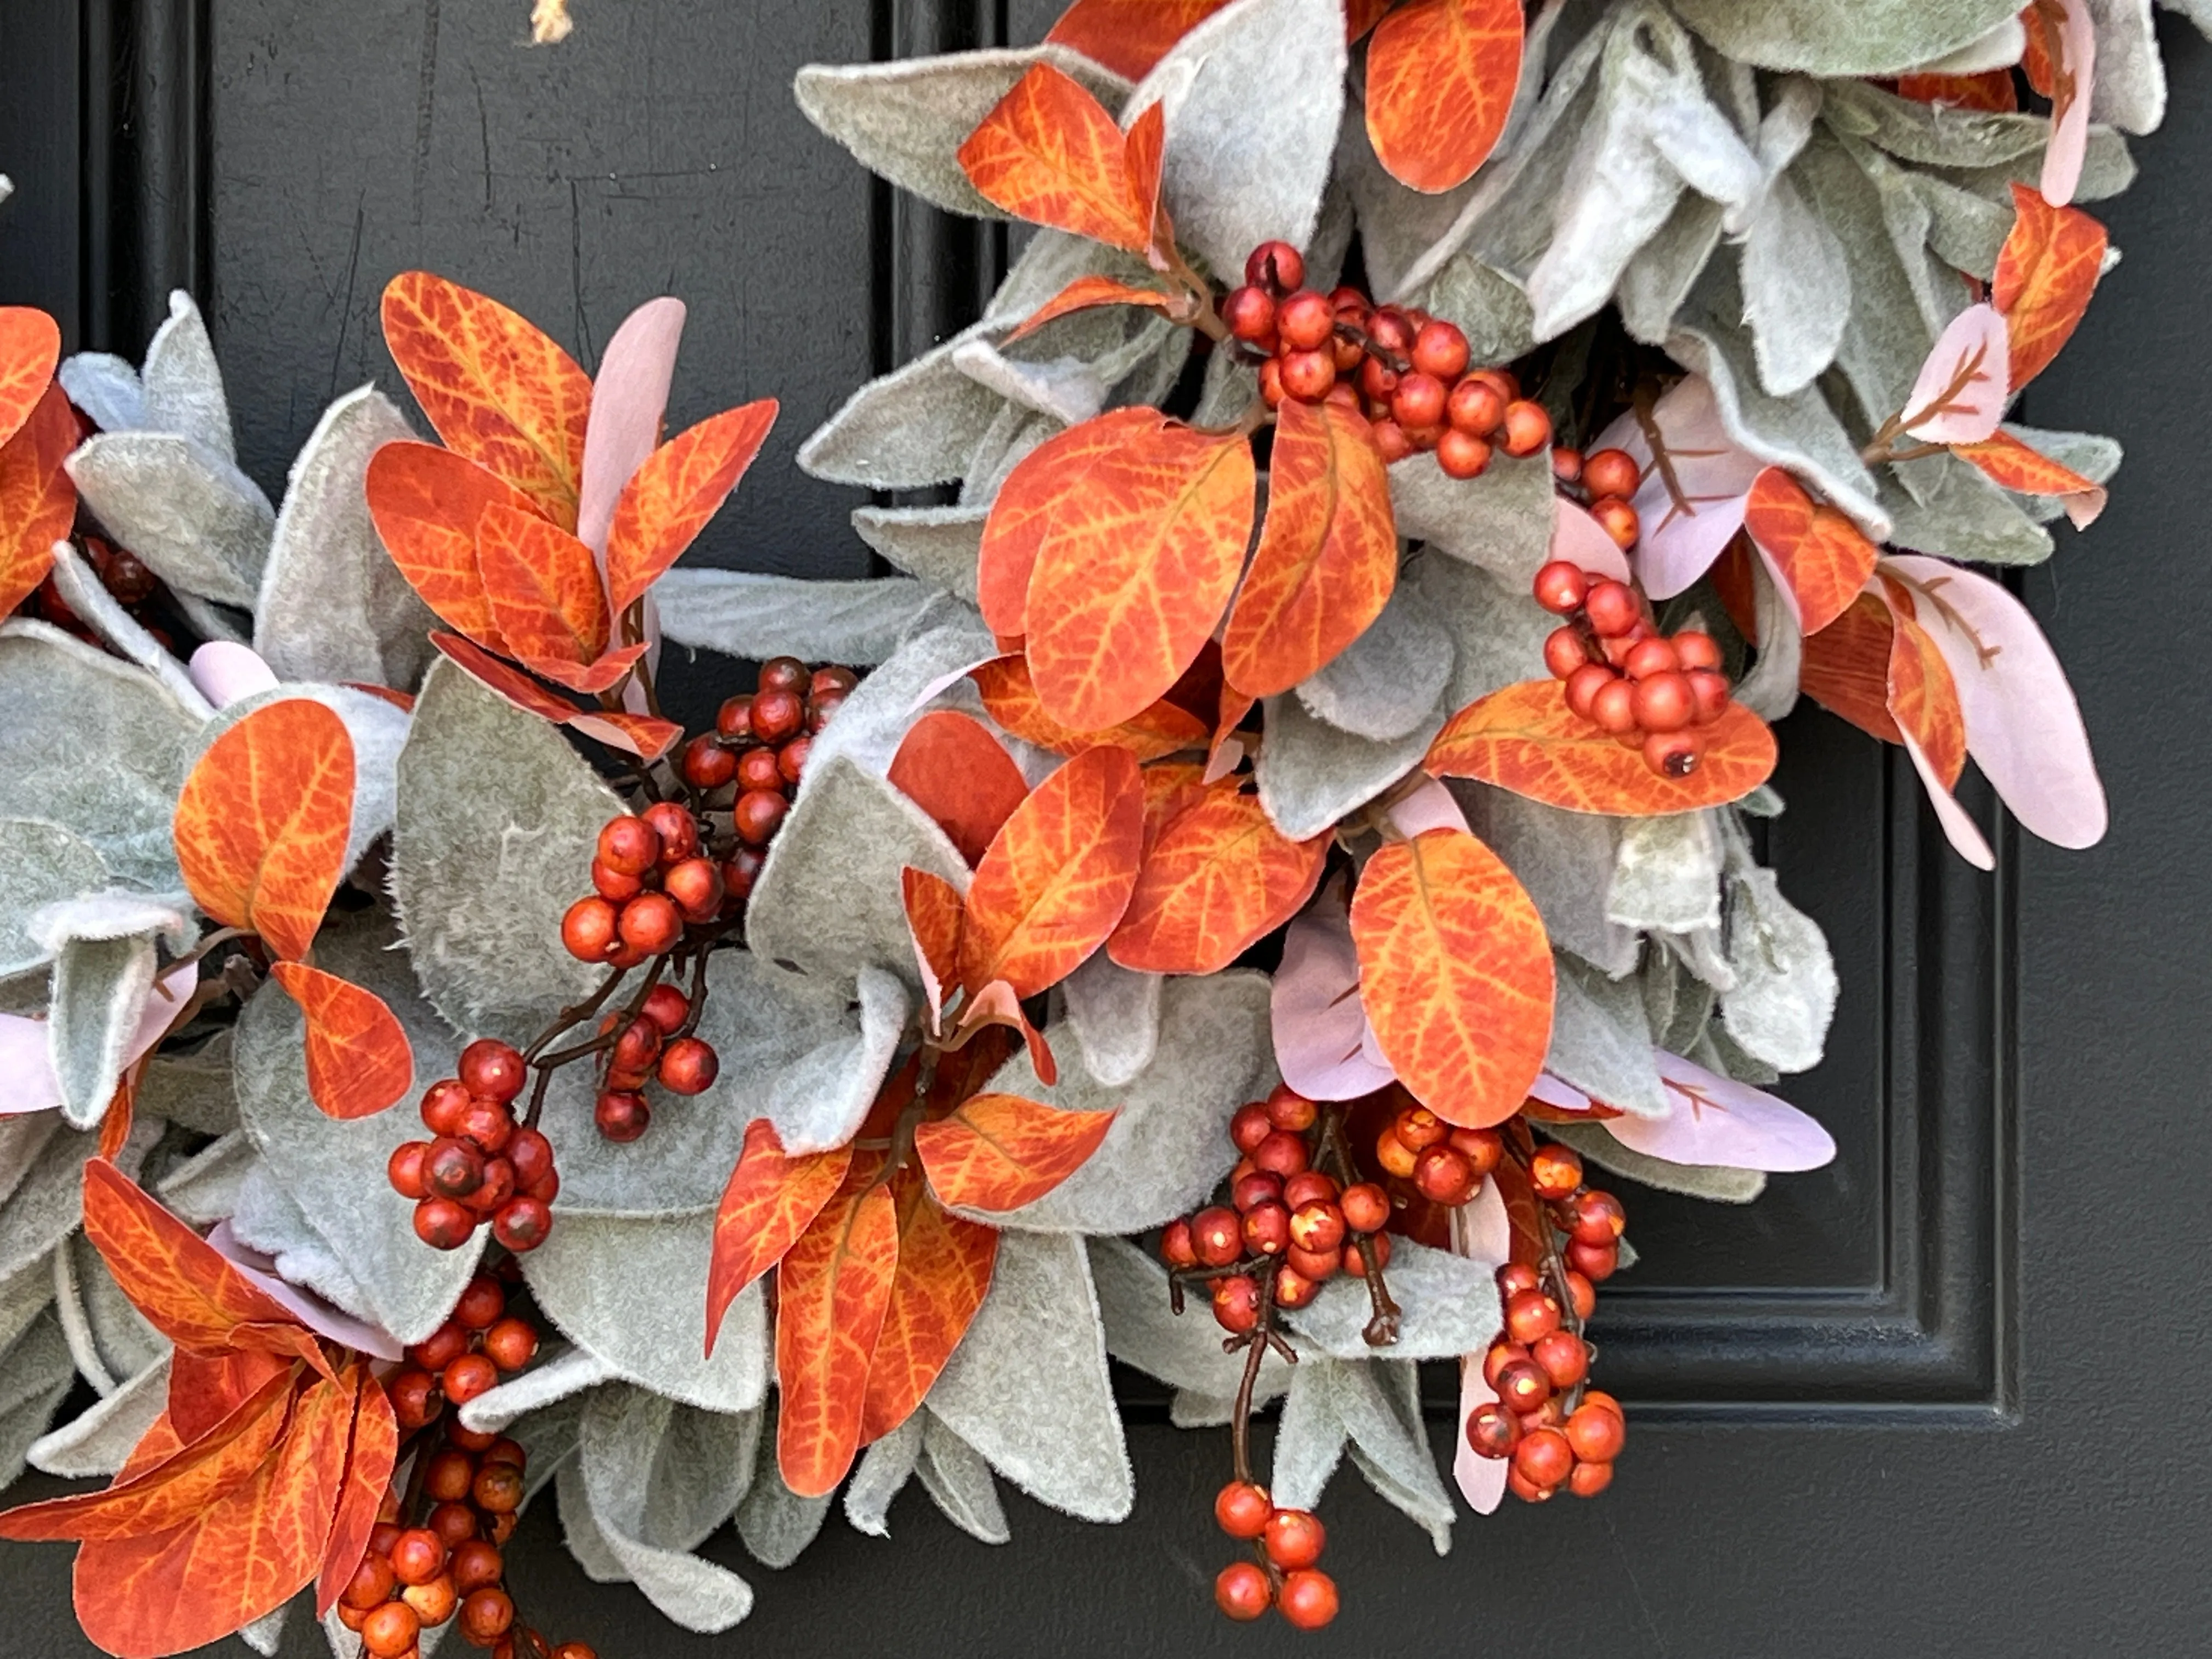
column 1446, row 1164
column 1291, row 1541
column 1558, row 1432
column 1625, row 678
column 654, row 877
column 483, row 1165
column 463, row 1358
column 757, row 752
column 1405, row 371
column 654, row 1043
column 1605, row 481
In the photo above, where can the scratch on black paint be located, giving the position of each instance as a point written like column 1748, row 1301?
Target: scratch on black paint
column 484, row 130
column 576, row 268
column 426, row 100
column 353, row 271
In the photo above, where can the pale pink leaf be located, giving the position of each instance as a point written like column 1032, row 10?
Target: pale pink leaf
column 1959, row 826
column 2023, row 726
column 1429, row 807
column 1482, row 1232
column 225, row 671
column 946, row 681
column 1715, row 1120
column 1959, row 396
column 628, row 396
column 2073, row 70
column 1321, row 1029
column 1559, row 1094
column 28, row 1083
column 1691, row 508
column 310, row 1309
column 1580, row 539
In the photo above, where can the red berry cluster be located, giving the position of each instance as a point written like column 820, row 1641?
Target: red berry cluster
column 483, row 1165
column 654, row 877
column 1623, row 676
column 1291, row 1540
column 1557, row 1431
column 1406, row 371
column 1445, row 1164
column 1606, row 481
column 654, row 1043
column 470, row 1484
column 758, row 751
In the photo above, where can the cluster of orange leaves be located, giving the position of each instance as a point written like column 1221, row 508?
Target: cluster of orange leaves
column 38, row 429
column 263, row 1473
column 486, row 527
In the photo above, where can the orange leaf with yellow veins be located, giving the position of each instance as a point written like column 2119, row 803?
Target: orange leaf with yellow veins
column 832, row 1289
column 1057, row 878
column 643, row 735
column 1049, row 475
column 935, row 915
column 30, row 346
column 1219, row 878
column 1819, row 552
column 426, row 503
column 359, row 1059
column 669, row 499
column 1454, row 973
column 1990, row 91
column 950, row 766
column 1010, row 697
column 38, row 502
column 1134, row 570
column 1050, row 154
column 498, row 390
column 370, row 1455
column 771, row 1199
column 2012, row 464
column 1441, row 76
column 204, row 1387
column 262, row 823
column 944, row 1264
column 1001, row 1151
column 1525, row 738
column 1923, row 696
column 1129, row 36
column 2046, row 272
column 241, row 1557
column 1086, row 293
column 1169, row 788
column 546, row 597
column 180, row 1282
column 1328, row 557
column 1144, row 149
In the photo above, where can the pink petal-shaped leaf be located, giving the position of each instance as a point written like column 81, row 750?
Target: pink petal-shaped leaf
column 2073, row 77
column 1715, row 1120
column 1560, row 1095
column 1322, row 1045
column 1692, row 505
column 1429, row 807
column 1580, row 539
column 629, row 395
column 1482, row 1232
column 317, row 1315
column 28, row 1083
column 2023, row 726
column 1959, row 396
column 225, row 670
column 1959, row 828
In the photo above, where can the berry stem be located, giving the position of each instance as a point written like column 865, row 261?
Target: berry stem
column 1255, row 1342
column 1383, row 1327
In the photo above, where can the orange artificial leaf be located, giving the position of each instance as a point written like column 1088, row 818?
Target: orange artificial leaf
column 544, row 585
column 241, row 1557
column 1129, row 36
column 1144, row 149
column 944, row 1264
column 1050, row 154
column 38, row 501
column 1168, row 789
column 950, row 766
column 359, row 1059
column 935, row 915
column 771, row 1199
column 1053, row 473
column 1845, row 667
column 2013, row 465
column 833, row 1286
column 1819, row 551
column 426, row 503
column 1001, row 1151
column 1441, row 76
column 1989, row 91
column 994, row 1006
column 1134, row 570
column 2045, row 274
column 1525, row 738
column 30, row 347
column 497, row 390
column 669, row 499
column 186, row 1288
column 1454, row 973
column 370, row 1455
column 1057, row 878
column 1085, row 293
column 204, row 1387
column 646, row 736
column 262, row 824
column 1328, row 557
column 1010, row 697
column 1924, row 697
column 1218, row 878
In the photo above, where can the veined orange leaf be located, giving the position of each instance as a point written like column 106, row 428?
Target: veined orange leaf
column 1454, row 973
column 262, row 823
column 1086, row 293
column 1001, row 1151
column 936, row 916
column 1010, row 697
column 370, row 1455
column 1050, row 154
column 359, row 1059
column 1053, row 473
column 994, row 1006
column 544, row 586
column 30, row 347
column 1328, row 557
column 2013, row 465
column 1924, row 697
column 1169, row 788
column 833, row 1286
column 1058, row 877
column 1129, row 36
column 1845, row 667
column 944, row 1264
column 498, row 390
column 2046, row 272
column 1817, row 550
column 771, row 1199
column 204, row 1387
column 1134, row 570
column 1440, row 80
column 669, row 499
column 1144, row 149
column 950, row 766
column 38, row 502
column 646, row 736
column 1526, row 739
column 1218, row 878
column 425, row 503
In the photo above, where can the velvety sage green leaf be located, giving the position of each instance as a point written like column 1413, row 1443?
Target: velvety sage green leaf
column 1706, row 1181
column 1785, row 987
column 1876, row 37
column 181, row 383
column 25, row 1294
column 1387, row 681
column 192, row 1090
column 1490, row 308
column 106, row 387
column 1308, row 1435
column 1667, row 873
column 1600, row 1041
column 198, row 522
column 775, row 1522
column 939, row 545
column 203, row 1188
column 955, row 1473
column 909, row 429
column 1445, row 1311
column 271, row 1220
column 2130, row 89
column 100, row 986
column 820, row 1098
column 497, row 818
column 1501, row 520
column 101, row 1324
column 885, row 1468
column 35, row 1375
column 1966, row 515
column 742, row 615
column 86, row 595
column 1658, row 280
column 40, row 863
column 1113, row 1014
column 1389, row 1446
column 1797, row 289
column 98, row 1439
column 1566, row 860
column 559, row 1376
column 1312, row 773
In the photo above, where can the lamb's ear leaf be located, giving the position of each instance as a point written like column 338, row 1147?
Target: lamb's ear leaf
column 1601, row 1039
column 1390, row 679
column 939, row 545
column 1446, row 1315
column 99, row 988
column 775, row 1522
column 181, row 383
column 909, row 429
column 754, row 616
column 199, row 523
column 40, row 864
column 1785, row 980
column 956, row 1474
column 1881, row 38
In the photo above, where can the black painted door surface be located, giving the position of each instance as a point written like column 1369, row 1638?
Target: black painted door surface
column 1939, row 1398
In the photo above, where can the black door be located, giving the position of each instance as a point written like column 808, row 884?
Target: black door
column 1937, row 1398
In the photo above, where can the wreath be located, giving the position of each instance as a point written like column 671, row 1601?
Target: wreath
column 1290, row 824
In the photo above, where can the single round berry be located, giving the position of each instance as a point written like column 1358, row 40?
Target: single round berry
column 1294, row 1538
column 1243, row 1508
column 488, row 1126
column 1392, row 331
column 1286, row 1108
column 621, row 1116
column 1618, row 519
column 1476, row 408
column 1693, row 649
column 1307, row 1599
column 1555, row 1170
column 1564, row 653
column 759, row 814
column 1293, row 1289
column 1581, row 1294
column 1439, row 348
column 1595, row 1263
column 511, row 1344
column 1241, row 1591
column 629, row 847
column 1315, row 1264
column 1613, row 706
column 453, row 1521
column 522, row 1224
column 1528, row 428
column 1500, row 1353
column 1597, row 1435
column 740, row 871
column 1515, row 1276
column 480, row 1304
column 588, row 929
column 486, row 1616
column 1177, row 1249
column 414, row 1394
column 1377, row 379
column 453, row 1167
column 531, row 1155
column 497, row 1489
column 1395, row 1156
column 418, row 1555
column 1250, row 312
column 1530, row 1314
column 1308, row 376
column 1492, row 1430
column 1583, row 685
column 1249, row 1125
column 1663, row 701
column 1276, row 266
column 791, row 759
column 1355, row 1260
column 1544, row 1457
column 1390, row 440
column 1271, row 381
column 613, row 886
column 1563, row 1357
column 1485, row 1148
column 1462, row 454
column 1317, row 1227
column 1305, row 321
column 1588, row 1480
column 446, row 1478
column 1266, row 1229
column 1419, row 401
column 467, row 1378
column 1708, row 693
column 687, row 1066
column 1597, row 1218
column 1613, row 608
column 1647, row 657
column 1217, row 1234
column 1236, row 1303
column 1566, row 464
column 651, row 923
column 1445, row 1175
column 1309, row 1187
column 1561, row 586
column 758, row 769
column 391, row 1630
column 372, row 1583
column 708, row 764
column 1249, row 1191
column 434, row 1601
column 1611, row 472
column 678, row 829
column 636, row 1047
column 1420, row 1127
column 476, row 1564
column 442, row 1224
column 733, row 721
column 404, row 1169
column 1283, row 1153
column 666, row 1007
column 1367, row 1207
column 782, row 674
column 778, row 714
column 444, row 1104
column 695, row 886
column 1522, row 1386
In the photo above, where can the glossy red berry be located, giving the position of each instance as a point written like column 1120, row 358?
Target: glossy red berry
column 1282, row 1153
column 740, row 871
column 511, row 1344
column 1177, row 1249
column 1271, row 381
column 1308, row 376
column 413, row 1396
column 1217, row 1234
column 1445, row 1175
column 708, row 764
column 1597, row 1218
column 1492, row 1430
column 1286, row 1108
column 404, row 1169
column 666, row 1007
column 418, row 1555
column 390, row 1631
column 442, row 1224
column 1522, row 1385
column 1367, row 1207
column 1515, row 1276
column 1564, row 653
column 1583, row 685
column 497, row 1489
column 1595, row 1263
column 1613, row 706
column 444, row 1104
column 480, row 1304
column 629, row 847
column 1440, row 348
column 1307, row 1599
column 791, row 759
column 1673, row 754
column 1266, row 1229
column 1566, row 464
column 1243, row 1508
column 1462, row 454
column 1241, row 1591
column 488, row 1126
column 1528, row 428
column 621, row 1114
column 1588, row 1480
column 1647, row 657
column 372, row 1583
column 1236, row 1303
column 1613, row 608
column 1391, row 332
column 1581, row 1294
column 1597, row 1434
column 486, row 1616
column 1420, row 1127
column 651, row 923
column 467, row 1378
column 1476, row 408
column 1663, row 702
column 1250, row 312
column 1249, row 1125
column 733, row 721
column 1555, row 1170
column 612, row 885
column 1611, row 472
column 759, row 814
column 1391, row 442
column 758, row 769
column 453, row 1167
column 1276, row 266
column 1355, row 1259
column 1709, row 693
column 1309, row 1187
column 1562, row 587
column 1419, row 401
column 588, row 930
column 1318, row 1266
column 1563, row 1357
column 1305, row 321
column 695, row 886
column 778, row 714
column 687, row 1066
column 476, row 1564
column 1618, row 519
column 1530, row 1314
column 522, row 1223
column 1249, row 1191
column 1317, row 1227
column 1294, row 1538
column 1395, row 1156
column 1543, row 1457
column 678, row 829
column 1693, row 649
